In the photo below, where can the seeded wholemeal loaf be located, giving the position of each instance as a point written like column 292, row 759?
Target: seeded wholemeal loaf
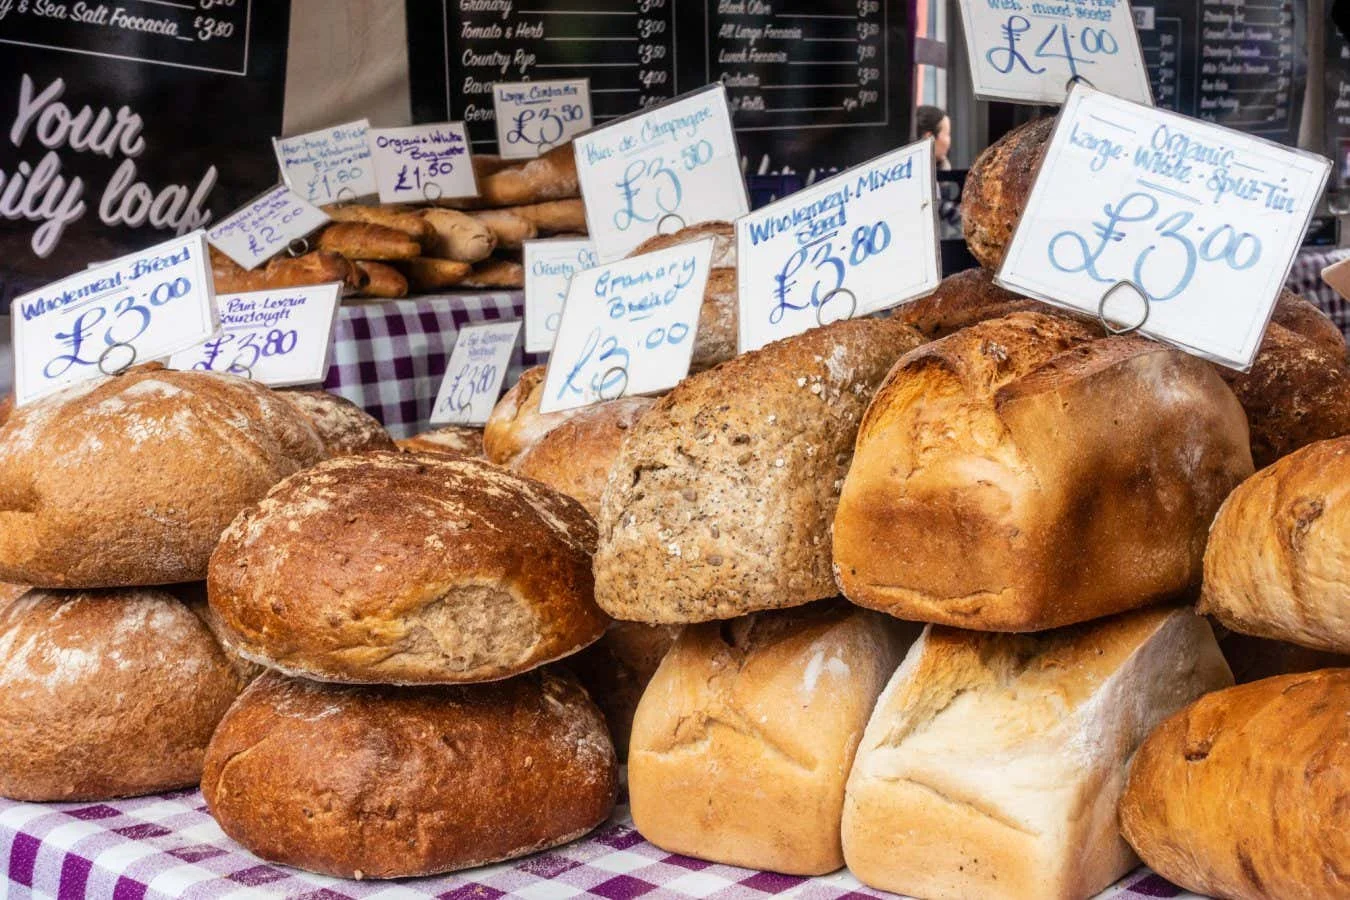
column 342, row 426
column 997, row 189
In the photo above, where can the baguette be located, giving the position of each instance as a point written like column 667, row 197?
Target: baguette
column 496, row 273
column 319, row 267
column 458, row 236
column 552, row 176
column 383, row 281
column 362, row 240
column 555, row 217
column 429, row 275
column 510, row 230
column 399, row 218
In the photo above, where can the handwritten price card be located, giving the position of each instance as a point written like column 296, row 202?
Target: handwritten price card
column 1205, row 221
column 133, row 309
column 422, row 162
column 329, row 165
column 473, row 377
column 279, row 338
column 628, row 327
column 265, row 227
column 533, row 116
column 549, row 267
column 672, row 165
column 859, row 242
column 1028, row 51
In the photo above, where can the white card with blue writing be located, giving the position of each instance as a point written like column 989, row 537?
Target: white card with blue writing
column 131, row 310
column 535, row 116
column 422, row 163
column 628, row 327
column 1204, row 220
column 549, row 267
column 1028, row 51
column 331, row 165
column 265, row 226
column 279, row 338
column 659, row 170
column 854, row 244
column 473, row 377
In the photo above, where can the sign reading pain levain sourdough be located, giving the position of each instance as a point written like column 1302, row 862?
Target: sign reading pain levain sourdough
column 1150, row 218
column 859, row 242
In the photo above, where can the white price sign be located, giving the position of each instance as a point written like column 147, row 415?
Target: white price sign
column 473, row 377
column 671, row 165
column 549, row 267
column 280, row 338
column 1029, row 52
column 330, row 165
column 533, row 116
column 1204, row 221
column 422, row 162
column 853, row 244
column 133, row 309
column 628, row 327
column 265, row 227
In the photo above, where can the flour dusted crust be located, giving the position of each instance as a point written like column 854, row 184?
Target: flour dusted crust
column 715, row 340
column 130, row 480
column 462, row 439
column 616, row 669
column 516, row 424
column 998, row 187
column 722, row 233
column 342, row 426
column 107, row 694
column 380, row 782
column 721, row 498
column 407, row 568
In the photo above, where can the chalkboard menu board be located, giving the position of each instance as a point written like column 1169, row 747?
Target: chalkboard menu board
column 1239, row 63
column 1337, row 99
column 130, row 122
column 814, row 84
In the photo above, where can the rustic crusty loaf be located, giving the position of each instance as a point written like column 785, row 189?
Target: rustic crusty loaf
column 552, row 176
column 496, row 273
column 510, row 230
column 407, row 568
column 362, row 240
column 554, row 216
column 1305, row 318
column 721, row 498
column 743, row 740
column 429, row 275
column 1019, row 475
column 400, row 218
column 715, row 340
column 382, row 281
column 1253, row 658
column 383, row 782
column 615, row 671
column 130, row 480
column 516, row 424
column 107, row 694
column 319, row 267
column 463, row 439
column 1244, row 793
column 722, row 233
column 343, row 427
column 998, row 187
column 967, row 298
column 1278, row 560
column 993, row 763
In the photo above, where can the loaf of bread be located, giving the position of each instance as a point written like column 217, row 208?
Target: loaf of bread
column 721, row 499
column 516, row 424
column 11, row 592
column 1244, row 793
column 107, row 694
column 399, row 218
column 554, row 217
column 428, row 275
column 496, row 273
column 1020, row 475
column 552, row 176
column 1278, row 560
column 993, row 763
column 462, row 439
column 382, row 281
column 722, row 233
column 362, row 240
column 458, row 236
column 616, row 669
column 1301, row 317
column 130, row 480
column 343, row 427
column 320, row 267
column 1254, row 658
column 715, row 340
column 381, row 782
column 510, row 230
column 407, row 568
column 968, row 298
column 997, row 189
column 744, row 738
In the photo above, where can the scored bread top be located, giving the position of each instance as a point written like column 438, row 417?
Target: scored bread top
column 343, row 426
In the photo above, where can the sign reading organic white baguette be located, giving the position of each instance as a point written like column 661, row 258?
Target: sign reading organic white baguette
column 628, row 327
column 671, row 165
column 266, row 226
column 133, row 309
column 473, row 377
column 329, row 165
column 1204, row 221
column 279, row 338
column 549, row 267
column 422, row 162
column 859, row 242
column 533, row 116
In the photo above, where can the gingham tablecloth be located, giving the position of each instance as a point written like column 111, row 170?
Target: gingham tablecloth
column 1305, row 277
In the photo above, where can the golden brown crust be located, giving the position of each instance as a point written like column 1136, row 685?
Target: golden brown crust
column 1253, row 658
column 496, row 273
column 407, row 568
column 554, row 217
column 968, row 298
column 716, row 339
column 399, row 218
column 6, row 407
column 516, row 424
column 552, row 176
column 362, row 240
column 382, row 281
column 342, row 426
column 462, row 439
column 1244, row 793
column 319, row 267
column 130, row 480
column 616, row 669
column 510, row 230
column 722, row 233
column 998, row 187
column 378, row 782
column 1302, row 317
column 458, row 236
column 428, row 275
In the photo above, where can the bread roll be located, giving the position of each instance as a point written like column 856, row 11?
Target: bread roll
column 382, row 782
column 744, row 738
column 554, row 217
column 496, row 273
column 1019, row 475
column 130, row 480
column 362, row 240
column 615, row 671
column 968, row 298
column 320, row 267
column 998, row 187
column 458, row 236
column 993, row 763
column 552, row 176
column 1304, row 318
column 399, row 218
column 429, row 275
column 382, row 281
column 1278, row 560
column 462, row 439
column 716, row 338
column 407, row 568
column 1254, row 658
column 516, row 423
column 342, row 426
column 107, row 694
column 721, row 499
column 510, row 230
column 1244, row 793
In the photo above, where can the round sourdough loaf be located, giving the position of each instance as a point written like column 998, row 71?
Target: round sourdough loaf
column 107, row 694
column 997, row 189
column 462, row 439
column 715, row 340
column 407, row 568
column 516, row 424
column 130, row 480
column 342, row 426
column 1302, row 317
column 384, row 782
column 722, row 233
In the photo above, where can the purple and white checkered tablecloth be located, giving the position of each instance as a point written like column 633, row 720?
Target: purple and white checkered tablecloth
column 1305, row 278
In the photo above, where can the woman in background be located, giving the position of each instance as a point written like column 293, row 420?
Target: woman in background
column 932, row 121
